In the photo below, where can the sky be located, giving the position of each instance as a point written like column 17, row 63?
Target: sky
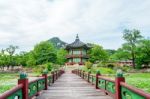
column 27, row 22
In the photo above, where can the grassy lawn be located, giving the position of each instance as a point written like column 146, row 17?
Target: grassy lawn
column 139, row 80
column 9, row 80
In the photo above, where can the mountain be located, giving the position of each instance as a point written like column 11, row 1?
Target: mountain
column 57, row 42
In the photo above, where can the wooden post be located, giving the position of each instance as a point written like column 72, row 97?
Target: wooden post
column 46, row 79
column 24, row 81
column 119, row 78
column 53, row 77
column 56, row 74
column 80, row 73
column 89, row 76
column 97, row 74
column 83, row 74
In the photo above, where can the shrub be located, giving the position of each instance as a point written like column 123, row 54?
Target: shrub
column 88, row 65
column 110, row 65
column 39, row 69
column 103, row 70
column 49, row 66
column 124, row 68
column 102, row 64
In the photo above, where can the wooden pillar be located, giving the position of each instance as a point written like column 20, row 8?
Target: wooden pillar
column 89, row 76
column 53, row 76
column 46, row 84
column 97, row 74
column 83, row 74
column 24, row 81
column 119, row 78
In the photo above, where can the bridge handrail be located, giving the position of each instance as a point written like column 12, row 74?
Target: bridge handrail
column 27, row 89
column 117, row 88
column 135, row 90
column 105, row 78
column 11, row 91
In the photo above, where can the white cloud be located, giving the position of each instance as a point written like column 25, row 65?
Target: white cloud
column 27, row 22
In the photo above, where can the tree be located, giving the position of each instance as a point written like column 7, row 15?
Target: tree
column 11, row 50
column 97, row 53
column 132, row 37
column 120, row 54
column 44, row 52
column 143, row 53
column 31, row 61
column 22, row 58
column 61, row 56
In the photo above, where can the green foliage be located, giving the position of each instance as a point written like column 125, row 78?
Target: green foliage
column 143, row 53
column 31, row 61
column 39, row 69
column 132, row 37
column 110, row 51
column 109, row 65
column 97, row 53
column 123, row 68
column 61, row 56
column 120, row 54
column 49, row 66
column 44, row 52
column 103, row 70
column 88, row 65
column 135, row 49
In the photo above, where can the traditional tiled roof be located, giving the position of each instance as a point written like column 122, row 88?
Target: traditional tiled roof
column 77, row 44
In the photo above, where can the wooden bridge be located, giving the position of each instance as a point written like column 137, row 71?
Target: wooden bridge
column 71, row 86
column 75, row 85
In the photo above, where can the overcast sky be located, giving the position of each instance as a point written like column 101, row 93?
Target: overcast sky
column 27, row 22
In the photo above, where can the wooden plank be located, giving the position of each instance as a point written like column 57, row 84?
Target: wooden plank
column 70, row 86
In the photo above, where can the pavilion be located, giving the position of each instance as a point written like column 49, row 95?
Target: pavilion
column 77, row 52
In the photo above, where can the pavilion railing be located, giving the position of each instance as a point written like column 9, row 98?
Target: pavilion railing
column 28, row 89
column 117, row 88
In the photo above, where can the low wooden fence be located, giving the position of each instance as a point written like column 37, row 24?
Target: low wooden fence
column 26, row 89
column 117, row 88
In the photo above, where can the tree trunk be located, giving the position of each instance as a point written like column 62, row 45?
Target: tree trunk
column 133, row 59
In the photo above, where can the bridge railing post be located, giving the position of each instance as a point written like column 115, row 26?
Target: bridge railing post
column 53, row 76
column 45, row 72
column 78, row 72
column 97, row 74
column 56, row 74
column 89, row 72
column 83, row 74
column 24, row 81
column 119, row 78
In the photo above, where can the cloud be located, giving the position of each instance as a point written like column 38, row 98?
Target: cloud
column 27, row 22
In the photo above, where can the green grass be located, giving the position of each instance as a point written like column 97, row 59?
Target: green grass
column 9, row 80
column 139, row 80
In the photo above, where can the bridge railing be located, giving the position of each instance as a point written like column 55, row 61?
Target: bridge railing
column 27, row 89
column 117, row 88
